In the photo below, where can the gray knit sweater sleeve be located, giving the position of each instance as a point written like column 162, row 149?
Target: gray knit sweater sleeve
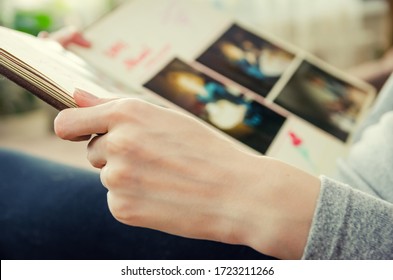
column 354, row 215
column 349, row 224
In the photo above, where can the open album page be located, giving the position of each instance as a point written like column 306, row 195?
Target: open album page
column 262, row 93
column 54, row 71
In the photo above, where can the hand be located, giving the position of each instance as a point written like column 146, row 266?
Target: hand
column 167, row 171
column 66, row 36
column 163, row 170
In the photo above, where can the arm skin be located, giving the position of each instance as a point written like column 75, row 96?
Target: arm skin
column 167, row 171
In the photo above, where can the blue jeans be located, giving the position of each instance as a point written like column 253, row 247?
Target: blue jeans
column 52, row 211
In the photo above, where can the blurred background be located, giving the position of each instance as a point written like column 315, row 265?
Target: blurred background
column 354, row 35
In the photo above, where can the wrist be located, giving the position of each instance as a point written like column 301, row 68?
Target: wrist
column 279, row 205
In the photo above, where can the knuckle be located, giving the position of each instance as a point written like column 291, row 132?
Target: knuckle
column 117, row 178
column 130, row 144
column 127, row 108
column 115, row 143
column 124, row 210
column 135, row 105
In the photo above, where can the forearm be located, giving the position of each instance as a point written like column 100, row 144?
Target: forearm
column 297, row 215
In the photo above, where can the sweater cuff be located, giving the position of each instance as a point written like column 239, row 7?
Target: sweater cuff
column 328, row 220
column 349, row 224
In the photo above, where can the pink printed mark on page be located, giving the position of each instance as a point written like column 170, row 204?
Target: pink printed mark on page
column 298, row 144
column 296, row 141
column 137, row 59
column 115, row 49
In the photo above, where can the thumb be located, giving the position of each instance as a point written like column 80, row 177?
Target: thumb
column 86, row 99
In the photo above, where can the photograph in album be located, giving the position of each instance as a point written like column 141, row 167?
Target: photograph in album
column 323, row 99
column 224, row 106
column 247, row 59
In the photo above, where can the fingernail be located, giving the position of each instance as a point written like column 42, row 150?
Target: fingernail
column 84, row 94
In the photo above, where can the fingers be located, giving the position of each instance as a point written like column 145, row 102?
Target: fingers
column 96, row 151
column 81, row 138
column 76, row 123
column 86, row 99
column 79, row 124
column 98, row 115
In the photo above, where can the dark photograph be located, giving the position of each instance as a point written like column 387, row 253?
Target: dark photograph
column 247, row 59
column 322, row 99
column 222, row 106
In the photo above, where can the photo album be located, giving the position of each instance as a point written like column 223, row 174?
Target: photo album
column 264, row 94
